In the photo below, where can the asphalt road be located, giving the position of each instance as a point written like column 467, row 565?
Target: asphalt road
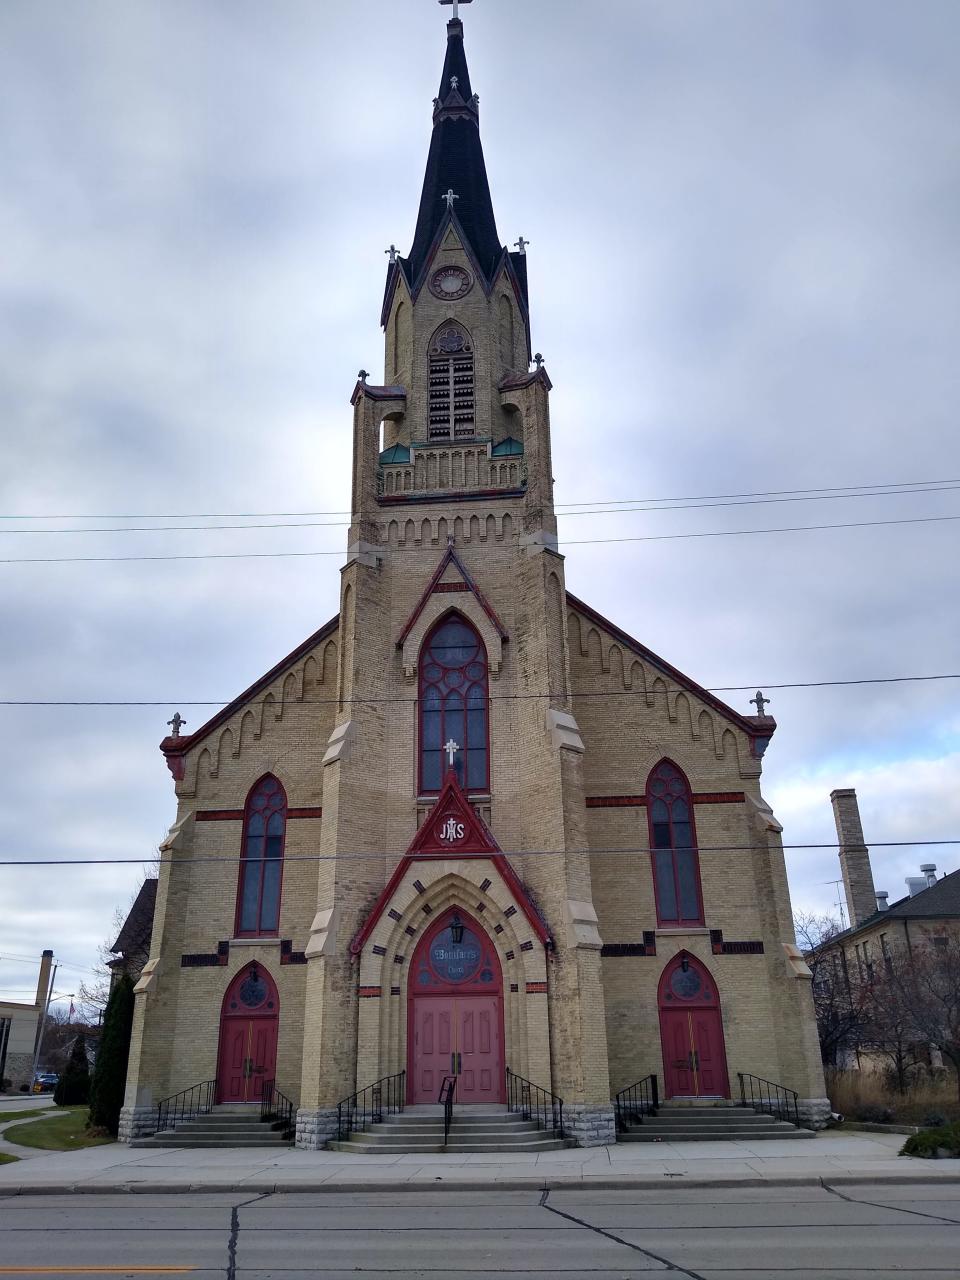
column 764, row 1233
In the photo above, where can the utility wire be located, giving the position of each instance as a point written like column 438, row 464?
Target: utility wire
column 387, row 550
column 347, row 856
column 504, row 697
column 608, row 509
column 257, row 515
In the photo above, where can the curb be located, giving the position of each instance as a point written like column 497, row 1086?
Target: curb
column 474, row 1184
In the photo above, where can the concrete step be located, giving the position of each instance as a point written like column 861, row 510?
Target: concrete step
column 740, row 1118
column 172, row 1140
column 644, row 1134
column 455, row 1148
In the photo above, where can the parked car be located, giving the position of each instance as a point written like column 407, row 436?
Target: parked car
column 45, row 1082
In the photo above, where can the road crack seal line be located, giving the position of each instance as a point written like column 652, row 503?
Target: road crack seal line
column 917, row 1213
column 608, row 1235
column 235, row 1232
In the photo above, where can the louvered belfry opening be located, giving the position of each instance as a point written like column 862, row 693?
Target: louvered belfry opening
column 451, row 384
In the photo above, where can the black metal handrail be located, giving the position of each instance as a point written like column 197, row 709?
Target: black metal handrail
column 195, row 1101
column 277, row 1110
column 636, row 1101
column 769, row 1098
column 368, row 1106
column 447, row 1090
column 535, row 1103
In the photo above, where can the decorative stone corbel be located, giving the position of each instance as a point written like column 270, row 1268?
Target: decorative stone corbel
column 564, row 731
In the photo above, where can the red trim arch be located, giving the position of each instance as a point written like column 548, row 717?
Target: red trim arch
column 260, row 879
column 249, row 1028
column 691, row 1031
column 674, row 860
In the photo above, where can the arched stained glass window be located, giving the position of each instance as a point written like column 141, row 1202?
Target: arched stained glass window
column 261, row 866
column 673, row 847
column 453, row 706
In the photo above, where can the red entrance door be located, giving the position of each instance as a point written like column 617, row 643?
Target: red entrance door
column 691, row 1032
column 249, row 1022
column 455, row 1024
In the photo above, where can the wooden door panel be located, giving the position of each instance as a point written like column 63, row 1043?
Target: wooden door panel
column 708, row 1041
column 231, row 1079
column 432, row 1046
column 481, row 1054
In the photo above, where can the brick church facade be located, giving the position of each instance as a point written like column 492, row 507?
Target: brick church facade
column 469, row 824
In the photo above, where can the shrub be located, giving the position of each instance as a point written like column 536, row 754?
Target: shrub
column 110, row 1071
column 74, row 1086
column 928, row 1142
column 873, row 1114
column 935, row 1120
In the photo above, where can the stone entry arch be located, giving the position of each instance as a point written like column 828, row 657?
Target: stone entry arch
column 249, row 1025
column 691, row 1031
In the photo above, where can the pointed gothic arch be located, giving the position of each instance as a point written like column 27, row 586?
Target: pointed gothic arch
column 452, row 410
column 674, row 860
column 453, row 705
column 691, row 1031
column 261, row 860
column 249, row 1026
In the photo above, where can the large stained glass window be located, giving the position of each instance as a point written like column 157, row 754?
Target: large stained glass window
column 453, row 707
column 673, row 847
column 261, row 866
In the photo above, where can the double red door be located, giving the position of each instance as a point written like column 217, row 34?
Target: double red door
column 459, row 1036
column 694, row 1059
column 248, row 1058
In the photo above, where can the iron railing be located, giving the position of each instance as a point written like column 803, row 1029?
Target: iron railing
column 636, row 1101
column 768, row 1098
column 277, row 1110
column 369, row 1106
column 447, row 1090
column 534, row 1103
column 198, row 1100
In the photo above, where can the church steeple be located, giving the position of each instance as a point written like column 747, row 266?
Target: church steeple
column 455, row 163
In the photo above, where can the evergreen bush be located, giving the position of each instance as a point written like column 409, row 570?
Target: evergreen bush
column 74, row 1087
column 928, row 1142
column 110, row 1071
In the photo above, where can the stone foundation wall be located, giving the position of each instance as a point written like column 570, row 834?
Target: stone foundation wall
column 814, row 1112
column 18, row 1069
column 589, row 1126
column 137, row 1122
column 315, row 1127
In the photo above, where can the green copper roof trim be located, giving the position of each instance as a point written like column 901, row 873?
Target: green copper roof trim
column 396, row 453
column 509, row 448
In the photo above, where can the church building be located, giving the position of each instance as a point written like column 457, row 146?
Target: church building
column 470, row 828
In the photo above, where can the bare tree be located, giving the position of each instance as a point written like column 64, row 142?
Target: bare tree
column 889, row 1031
column 840, row 1000
column 929, row 987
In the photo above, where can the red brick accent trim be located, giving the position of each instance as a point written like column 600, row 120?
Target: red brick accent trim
column 699, row 797
column 236, row 815
column 536, row 988
column 367, row 993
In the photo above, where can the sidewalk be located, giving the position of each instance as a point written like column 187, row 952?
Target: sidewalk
column 833, row 1158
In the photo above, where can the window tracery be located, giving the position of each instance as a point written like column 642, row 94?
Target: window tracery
column 261, row 864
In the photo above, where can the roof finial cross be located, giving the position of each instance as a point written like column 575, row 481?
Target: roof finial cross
column 456, row 4
column 454, row 82
column 450, row 195
column 451, row 748
column 538, row 359
column 759, row 702
column 392, row 252
column 175, row 724
column 522, row 246
column 363, row 376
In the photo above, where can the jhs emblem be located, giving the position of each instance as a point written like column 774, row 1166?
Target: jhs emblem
column 451, row 830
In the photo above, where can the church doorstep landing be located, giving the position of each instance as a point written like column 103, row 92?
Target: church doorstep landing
column 469, row 823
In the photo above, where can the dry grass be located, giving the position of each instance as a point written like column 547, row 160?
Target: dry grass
column 852, row 1091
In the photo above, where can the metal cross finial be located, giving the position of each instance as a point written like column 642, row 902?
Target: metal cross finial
column 175, row 724
column 392, row 252
column 759, row 702
column 450, row 195
column 363, row 376
column 456, row 4
column 539, row 360
column 451, row 748
column 521, row 245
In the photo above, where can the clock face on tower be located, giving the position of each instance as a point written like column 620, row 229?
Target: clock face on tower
column 450, row 283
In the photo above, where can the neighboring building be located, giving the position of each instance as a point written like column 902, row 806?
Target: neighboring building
column 132, row 947
column 19, row 1028
column 482, row 763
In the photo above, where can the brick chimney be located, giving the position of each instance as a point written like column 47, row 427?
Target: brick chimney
column 854, row 856
column 43, row 982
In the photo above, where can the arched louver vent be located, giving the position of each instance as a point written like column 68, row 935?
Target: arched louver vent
column 451, row 385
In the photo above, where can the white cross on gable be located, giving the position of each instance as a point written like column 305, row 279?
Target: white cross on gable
column 456, row 4
column 451, row 748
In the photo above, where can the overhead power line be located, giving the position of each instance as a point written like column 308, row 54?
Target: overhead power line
column 260, row 515
column 567, row 542
column 623, row 507
column 500, row 697
column 400, row 854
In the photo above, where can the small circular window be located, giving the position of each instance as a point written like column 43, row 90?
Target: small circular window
column 685, row 983
column 253, row 991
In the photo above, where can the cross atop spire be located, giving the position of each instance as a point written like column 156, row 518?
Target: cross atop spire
column 456, row 4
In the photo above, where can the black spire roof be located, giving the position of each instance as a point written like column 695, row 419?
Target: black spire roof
column 456, row 162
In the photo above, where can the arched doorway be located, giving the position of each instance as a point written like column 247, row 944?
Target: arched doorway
column 691, row 1032
column 249, row 1021
column 455, row 1013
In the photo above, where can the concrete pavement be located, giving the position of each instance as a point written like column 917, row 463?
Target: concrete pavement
column 835, row 1157
column 724, row 1233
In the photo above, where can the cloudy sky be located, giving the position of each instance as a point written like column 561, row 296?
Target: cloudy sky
column 744, row 277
